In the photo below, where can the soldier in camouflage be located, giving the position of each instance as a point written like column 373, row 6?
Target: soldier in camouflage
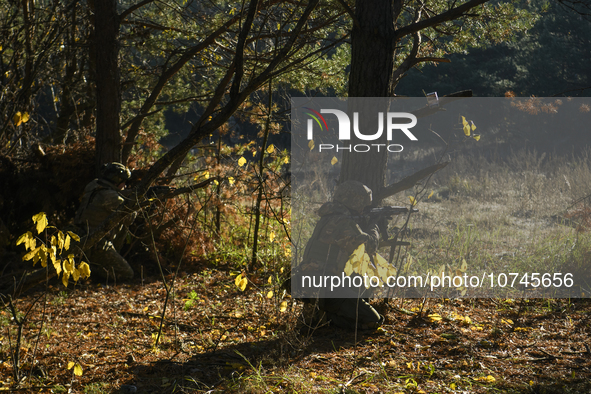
column 101, row 198
column 337, row 234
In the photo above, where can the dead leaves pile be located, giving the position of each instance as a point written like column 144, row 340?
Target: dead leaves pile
column 220, row 337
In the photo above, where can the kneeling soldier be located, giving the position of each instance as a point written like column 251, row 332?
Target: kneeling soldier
column 101, row 198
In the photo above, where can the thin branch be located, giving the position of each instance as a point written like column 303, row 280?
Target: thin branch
column 451, row 14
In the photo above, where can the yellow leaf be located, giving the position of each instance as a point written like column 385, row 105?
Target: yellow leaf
column 231, row 180
column 25, row 117
column 286, row 160
column 28, row 239
column 270, row 149
column 76, row 274
column 78, row 370
column 57, row 264
column 348, row 270
column 74, row 236
column 68, row 266
column 283, row 306
column 241, row 161
column 43, row 256
column 467, row 130
column 31, row 254
column 67, row 242
column 473, row 126
column 413, row 201
column 477, row 137
column 270, row 294
column 215, row 182
column 311, row 144
column 271, row 236
column 334, row 160
column 435, row 317
column 486, row 379
column 71, row 364
column 430, row 194
column 380, row 261
column 464, row 266
column 41, row 220
column 241, row 282
column 60, row 240
column 65, row 278
column 464, row 122
column 22, row 238
column 206, row 174
column 270, row 280
column 16, row 119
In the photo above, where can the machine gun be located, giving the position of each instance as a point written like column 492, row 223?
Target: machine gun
column 382, row 215
column 388, row 211
column 159, row 191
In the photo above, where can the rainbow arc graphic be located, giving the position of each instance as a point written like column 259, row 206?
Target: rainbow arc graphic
column 317, row 117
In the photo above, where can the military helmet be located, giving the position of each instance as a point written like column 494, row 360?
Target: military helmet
column 115, row 173
column 353, row 194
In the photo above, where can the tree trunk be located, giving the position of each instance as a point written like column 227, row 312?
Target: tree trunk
column 108, row 89
column 372, row 64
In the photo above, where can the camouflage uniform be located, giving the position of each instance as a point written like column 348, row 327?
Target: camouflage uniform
column 336, row 235
column 101, row 198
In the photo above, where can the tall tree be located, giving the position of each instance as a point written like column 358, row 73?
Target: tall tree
column 108, row 86
column 392, row 36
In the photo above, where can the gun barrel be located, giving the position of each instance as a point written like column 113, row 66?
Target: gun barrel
column 390, row 210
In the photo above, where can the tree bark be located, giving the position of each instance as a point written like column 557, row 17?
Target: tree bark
column 108, row 89
column 372, row 64
column 374, row 73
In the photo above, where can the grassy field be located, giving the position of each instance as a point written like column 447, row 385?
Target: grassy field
column 527, row 213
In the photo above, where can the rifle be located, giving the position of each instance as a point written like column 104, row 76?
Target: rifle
column 166, row 192
column 382, row 215
column 388, row 211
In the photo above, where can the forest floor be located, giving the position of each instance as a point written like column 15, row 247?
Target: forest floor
column 218, row 339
